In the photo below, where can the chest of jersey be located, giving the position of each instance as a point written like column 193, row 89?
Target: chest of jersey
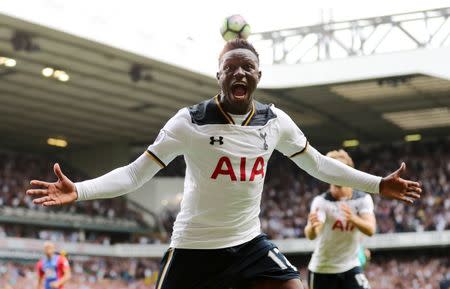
column 233, row 153
column 335, row 217
column 50, row 268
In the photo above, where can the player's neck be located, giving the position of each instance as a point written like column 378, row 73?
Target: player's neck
column 233, row 108
column 342, row 194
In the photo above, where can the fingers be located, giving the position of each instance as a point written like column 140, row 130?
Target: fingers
column 45, row 201
column 413, row 185
column 413, row 195
column 50, row 203
column 406, row 200
column 40, row 183
column 58, row 172
column 37, row 192
column 401, row 169
column 42, row 200
column 313, row 217
column 417, row 190
column 345, row 207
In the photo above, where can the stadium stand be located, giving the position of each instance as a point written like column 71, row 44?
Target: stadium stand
column 98, row 221
column 399, row 270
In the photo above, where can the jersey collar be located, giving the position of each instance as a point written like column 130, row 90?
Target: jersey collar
column 228, row 117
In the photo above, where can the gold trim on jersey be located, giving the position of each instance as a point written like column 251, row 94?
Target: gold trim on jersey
column 155, row 158
column 225, row 114
column 249, row 117
column 164, row 271
column 300, row 152
column 229, row 118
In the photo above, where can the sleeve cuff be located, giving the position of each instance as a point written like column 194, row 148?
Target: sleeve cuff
column 80, row 195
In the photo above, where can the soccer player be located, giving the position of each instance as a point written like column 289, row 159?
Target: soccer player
column 337, row 218
column 226, row 142
column 53, row 269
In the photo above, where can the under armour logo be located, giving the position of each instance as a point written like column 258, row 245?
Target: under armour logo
column 263, row 136
column 213, row 140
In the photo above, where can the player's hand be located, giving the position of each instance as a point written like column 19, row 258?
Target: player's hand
column 54, row 284
column 393, row 186
column 348, row 214
column 313, row 219
column 61, row 192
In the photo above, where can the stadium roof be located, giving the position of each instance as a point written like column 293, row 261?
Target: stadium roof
column 101, row 103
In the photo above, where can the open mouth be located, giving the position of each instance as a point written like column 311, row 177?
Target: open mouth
column 239, row 90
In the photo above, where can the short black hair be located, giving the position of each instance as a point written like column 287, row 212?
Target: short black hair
column 238, row 43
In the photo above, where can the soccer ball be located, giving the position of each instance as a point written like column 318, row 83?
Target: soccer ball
column 234, row 27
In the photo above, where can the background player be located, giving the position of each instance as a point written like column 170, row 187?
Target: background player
column 53, row 269
column 227, row 142
column 337, row 217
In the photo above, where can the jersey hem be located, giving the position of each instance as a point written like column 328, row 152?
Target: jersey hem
column 316, row 269
column 212, row 245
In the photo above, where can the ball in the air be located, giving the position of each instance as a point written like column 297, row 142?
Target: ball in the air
column 234, row 27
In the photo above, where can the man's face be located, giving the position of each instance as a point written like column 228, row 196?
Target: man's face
column 238, row 77
column 49, row 249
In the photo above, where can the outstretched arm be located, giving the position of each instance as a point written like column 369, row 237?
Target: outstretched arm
column 173, row 140
column 337, row 173
column 115, row 183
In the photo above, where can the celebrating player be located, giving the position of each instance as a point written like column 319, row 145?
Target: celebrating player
column 226, row 141
column 337, row 217
column 53, row 269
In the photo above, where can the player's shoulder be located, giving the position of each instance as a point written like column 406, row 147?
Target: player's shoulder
column 359, row 195
column 210, row 112
column 322, row 198
column 356, row 195
column 327, row 197
column 263, row 113
column 282, row 115
column 179, row 122
column 205, row 112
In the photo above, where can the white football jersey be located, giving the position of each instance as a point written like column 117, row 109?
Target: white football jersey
column 225, row 168
column 338, row 243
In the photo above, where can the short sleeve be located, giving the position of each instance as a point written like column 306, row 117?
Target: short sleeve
column 39, row 270
column 366, row 205
column 172, row 140
column 63, row 263
column 318, row 205
column 292, row 141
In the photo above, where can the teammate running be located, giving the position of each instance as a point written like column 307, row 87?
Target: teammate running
column 337, row 219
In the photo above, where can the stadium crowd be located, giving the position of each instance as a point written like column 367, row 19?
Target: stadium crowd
column 87, row 273
column 413, row 272
column 384, row 272
column 16, row 171
column 79, row 236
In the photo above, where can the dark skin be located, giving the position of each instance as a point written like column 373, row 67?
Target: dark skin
column 238, row 78
column 238, row 66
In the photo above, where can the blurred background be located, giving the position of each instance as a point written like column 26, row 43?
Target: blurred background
column 89, row 85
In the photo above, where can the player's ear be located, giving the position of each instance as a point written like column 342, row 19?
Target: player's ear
column 217, row 75
column 259, row 75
